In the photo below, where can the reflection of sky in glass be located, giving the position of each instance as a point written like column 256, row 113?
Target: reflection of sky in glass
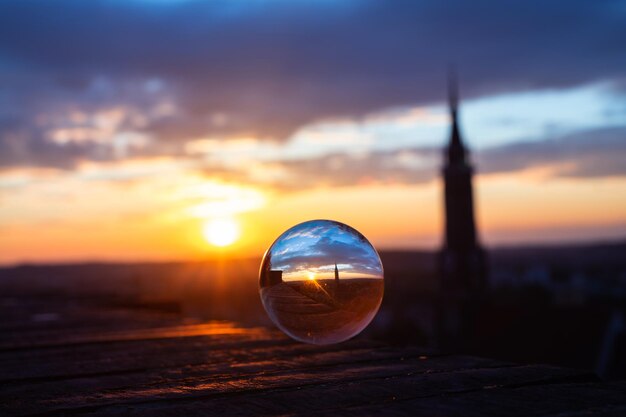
column 315, row 247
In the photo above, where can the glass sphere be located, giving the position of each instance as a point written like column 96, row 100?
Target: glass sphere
column 321, row 282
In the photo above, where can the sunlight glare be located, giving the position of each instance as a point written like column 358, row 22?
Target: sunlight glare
column 221, row 232
column 311, row 276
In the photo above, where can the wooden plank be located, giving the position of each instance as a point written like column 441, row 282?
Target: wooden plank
column 138, row 364
column 324, row 380
column 122, row 356
column 536, row 399
column 177, row 381
column 331, row 393
column 93, row 336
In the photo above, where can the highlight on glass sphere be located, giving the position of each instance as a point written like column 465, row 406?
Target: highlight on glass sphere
column 321, row 282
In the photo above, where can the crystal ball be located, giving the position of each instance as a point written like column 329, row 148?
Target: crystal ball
column 321, row 282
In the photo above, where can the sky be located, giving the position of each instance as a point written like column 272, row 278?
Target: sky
column 312, row 250
column 126, row 127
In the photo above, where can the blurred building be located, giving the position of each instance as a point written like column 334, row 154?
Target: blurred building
column 271, row 277
column 462, row 260
column 274, row 277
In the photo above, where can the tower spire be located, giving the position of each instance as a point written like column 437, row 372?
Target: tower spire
column 456, row 151
column 453, row 93
column 462, row 260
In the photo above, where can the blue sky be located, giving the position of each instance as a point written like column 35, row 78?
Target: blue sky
column 316, row 246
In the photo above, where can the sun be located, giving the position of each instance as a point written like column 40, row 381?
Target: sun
column 221, row 231
column 311, row 276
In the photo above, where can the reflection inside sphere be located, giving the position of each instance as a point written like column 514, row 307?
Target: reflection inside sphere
column 321, row 282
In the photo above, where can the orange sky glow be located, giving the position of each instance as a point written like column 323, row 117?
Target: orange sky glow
column 162, row 217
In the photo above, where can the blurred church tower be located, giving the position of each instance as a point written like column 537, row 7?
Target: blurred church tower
column 462, row 260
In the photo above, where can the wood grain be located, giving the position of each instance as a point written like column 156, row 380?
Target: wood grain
column 109, row 362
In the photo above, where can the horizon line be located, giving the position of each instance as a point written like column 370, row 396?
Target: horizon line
column 230, row 257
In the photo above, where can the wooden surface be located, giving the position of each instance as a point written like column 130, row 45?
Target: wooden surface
column 73, row 358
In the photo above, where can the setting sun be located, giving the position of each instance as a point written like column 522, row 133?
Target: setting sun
column 221, row 232
column 311, row 276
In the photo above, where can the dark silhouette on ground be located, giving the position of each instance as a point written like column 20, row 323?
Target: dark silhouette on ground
column 550, row 304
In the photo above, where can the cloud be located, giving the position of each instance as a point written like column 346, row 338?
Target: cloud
column 25, row 146
column 265, row 69
column 588, row 153
column 327, row 251
column 319, row 244
column 398, row 166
